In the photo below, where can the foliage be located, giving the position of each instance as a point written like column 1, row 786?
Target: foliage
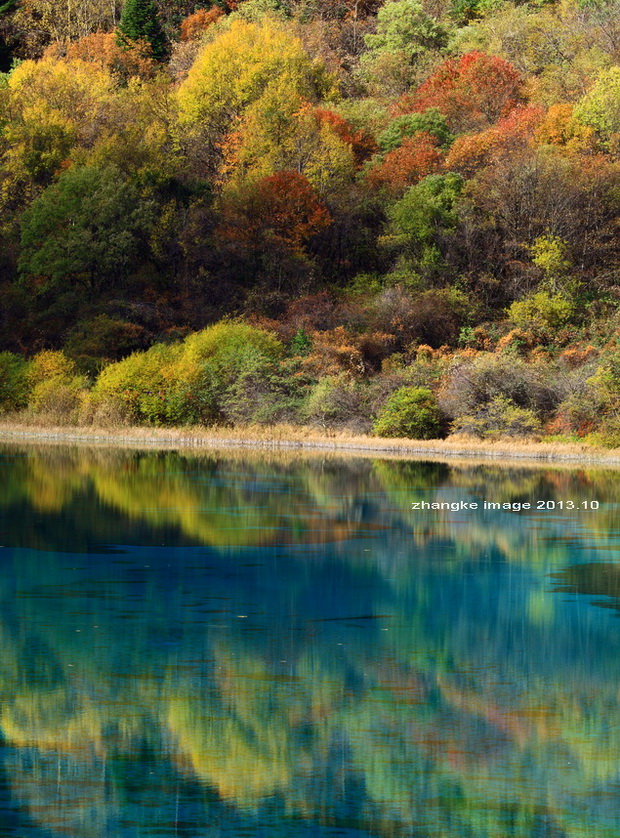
column 195, row 24
column 472, row 91
column 405, row 33
column 431, row 121
column 427, row 211
column 235, row 69
column 102, row 49
column 54, row 386
column 600, row 108
column 140, row 23
column 438, row 167
column 471, row 152
column 414, row 159
column 474, row 382
column 410, row 412
column 338, row 401
column 498, row 417
column 542, row 312
column 86, row 227
column 188, row 382
column 14, row 382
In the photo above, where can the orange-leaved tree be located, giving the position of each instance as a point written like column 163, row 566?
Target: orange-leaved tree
column 411, row 162
column 473, row 91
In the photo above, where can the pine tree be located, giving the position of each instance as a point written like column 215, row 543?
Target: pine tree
column 140, row 22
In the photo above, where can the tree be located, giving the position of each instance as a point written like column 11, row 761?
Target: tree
column 424, row 216
column 87, row 227
column 140, row 22
column 409, row 163
column 405, row 32
column 431, row 121
column 266, row 228
column 471, row 152
column 403, row 26
column 280, row 211
column 473, row 91
column 234, row 70
column 600, row 107
column 282, row 132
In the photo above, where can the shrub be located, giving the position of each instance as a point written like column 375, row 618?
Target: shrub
column 188, row 382
column 55, row 387
column 138, row 385
column 470, row 384
column 50, row 364
column 338, row 401
column 410, row 412
column 498, row 417
column 60, row 398
column 542, row 312
column 14, row 382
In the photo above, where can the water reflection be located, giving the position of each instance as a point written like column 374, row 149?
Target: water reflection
column 200, row 645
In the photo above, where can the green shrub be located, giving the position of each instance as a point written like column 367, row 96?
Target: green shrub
column 410, row 412
column 264, row 394
column 190, row 382
column 542, row 312
column 14, row 382
column 138, row 386
column 498, row 417
column 338, row 401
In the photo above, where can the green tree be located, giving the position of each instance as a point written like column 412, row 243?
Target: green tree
column 140, row 22
column 600, row 107
column 87, row 227
column 405, row 33
column 418, row 223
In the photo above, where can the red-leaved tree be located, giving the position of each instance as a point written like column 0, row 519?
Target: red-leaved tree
column 473, row 91
column 416, row 158
column 471, row 152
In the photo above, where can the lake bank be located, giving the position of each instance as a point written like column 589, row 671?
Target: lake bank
column 285, row 437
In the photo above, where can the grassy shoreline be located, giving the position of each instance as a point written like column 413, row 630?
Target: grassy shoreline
column 288, row 437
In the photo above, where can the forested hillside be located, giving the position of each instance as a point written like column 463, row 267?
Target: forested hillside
column 409, row 209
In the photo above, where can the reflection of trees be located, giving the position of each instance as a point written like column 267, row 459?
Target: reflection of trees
column 469, row 708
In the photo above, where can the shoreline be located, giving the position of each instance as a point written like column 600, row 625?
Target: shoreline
column 289, row 438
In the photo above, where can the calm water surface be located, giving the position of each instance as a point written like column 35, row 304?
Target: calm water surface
column 215, row 645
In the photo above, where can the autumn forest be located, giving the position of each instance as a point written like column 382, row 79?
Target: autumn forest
column 398, row 218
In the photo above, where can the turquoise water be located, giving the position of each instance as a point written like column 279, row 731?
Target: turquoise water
column 226, row 645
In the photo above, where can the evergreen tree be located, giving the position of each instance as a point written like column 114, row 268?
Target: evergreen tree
column 140, row 22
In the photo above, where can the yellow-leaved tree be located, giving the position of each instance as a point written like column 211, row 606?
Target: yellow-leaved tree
column 237, row 68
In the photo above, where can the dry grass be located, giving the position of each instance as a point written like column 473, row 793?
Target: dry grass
column 298, row 438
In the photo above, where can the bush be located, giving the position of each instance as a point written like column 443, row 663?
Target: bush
column 50, row 364
column 498, row 417
column 188, row 383
column 542, row 313
column 410, row 412
column 471, row 383
column 14, row 382
column 59, row 398
column 138, row 386
column 338, row 401
column 55, row 387
column 264, row 393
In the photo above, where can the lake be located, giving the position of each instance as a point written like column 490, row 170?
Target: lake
column 235, row 644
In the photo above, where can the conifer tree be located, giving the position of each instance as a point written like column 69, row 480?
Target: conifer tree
column 140, row 22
